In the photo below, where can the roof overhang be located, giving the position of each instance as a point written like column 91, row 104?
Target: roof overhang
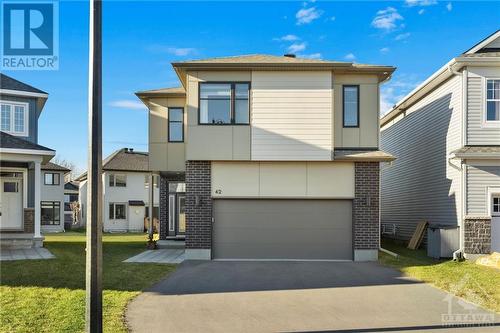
column 41, row 97
column 363, row 156
column 46, row 155
column 483, row 43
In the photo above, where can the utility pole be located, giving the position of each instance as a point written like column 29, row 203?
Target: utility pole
column 93, row 272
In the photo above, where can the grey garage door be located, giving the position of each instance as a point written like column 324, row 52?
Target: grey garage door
column 282, row 229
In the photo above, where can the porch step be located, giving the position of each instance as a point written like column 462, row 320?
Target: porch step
column 171, row 244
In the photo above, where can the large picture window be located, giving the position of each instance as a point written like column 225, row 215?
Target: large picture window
column 50, row 178
column 51, row 212
column 14, row 118
column 175, row 124
column 117, row 180
column 117, row 211
column 224, row 103
column 350, row 97
column 493, row 100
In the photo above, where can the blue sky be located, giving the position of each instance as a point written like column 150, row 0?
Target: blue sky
column 140, row 39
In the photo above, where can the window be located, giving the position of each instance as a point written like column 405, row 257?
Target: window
column 11, row 187
column 156, row 178
column 51, row 212
column 51, row 178
column 496, row 205
column 224, row 103
column 117, row 180
column 175, row 124
column 117, row 211
column 13, row 118
column 350, row 97
column 493, row 100
column 68, row 199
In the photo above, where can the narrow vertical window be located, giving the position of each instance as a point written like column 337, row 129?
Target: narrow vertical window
column 492, row 100
column 19, row 119
column 175, row 124
column 5, row 117
column 241, row 114
column 350, row 97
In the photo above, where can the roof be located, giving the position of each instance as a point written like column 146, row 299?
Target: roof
column 478, row 152
column 363, row 155
column 8, row 141
column 479, row 54
column 177, row 91
column 54, row 167
column 71, row 186
column 8, row 83
column 259, row 59
column 124, row 159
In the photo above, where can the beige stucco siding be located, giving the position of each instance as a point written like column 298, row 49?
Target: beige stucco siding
column 367, row 135
column 208, row 142
column 283, row 180
column 291, row 115
column 162, row 154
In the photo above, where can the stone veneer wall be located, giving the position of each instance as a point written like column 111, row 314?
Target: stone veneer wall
column 477, row 235
column 198, row 205
column 366, row 206
column 29, row 220
column 163, row 206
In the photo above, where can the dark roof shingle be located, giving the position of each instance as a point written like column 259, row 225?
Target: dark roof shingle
column 6, row 82
column 54, row 167
column 13, row 142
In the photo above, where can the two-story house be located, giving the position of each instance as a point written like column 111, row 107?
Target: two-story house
column 52, row 197
column 21, row 162
column 279, row 156
column 125, row 176
column 446, row 137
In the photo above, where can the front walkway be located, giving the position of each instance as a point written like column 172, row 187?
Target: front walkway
column 35, row 253
column 221, row 296
column 160, row 256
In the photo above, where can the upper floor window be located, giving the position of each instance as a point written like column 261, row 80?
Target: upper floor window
column 117, row 180
column 493, row 100
column 175, row 124
column 50, row 178
column 156, row 178
column 350, row 97
column 224, row 103
column 14, row 118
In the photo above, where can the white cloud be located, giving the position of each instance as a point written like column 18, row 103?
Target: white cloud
column 178, row 51
column 307, row 15
column 297, row 47
column 310, row 56
column 287, row 38
column 350, row 56
column 413, row 3
column 386, row 19
column 127, row 104
column 402, row 36
column 333, row 18
column 393, row 91
column 449, row 6
column 384, row 50
column 421, row 11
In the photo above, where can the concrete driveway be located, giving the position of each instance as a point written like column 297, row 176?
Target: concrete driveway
column 221, row 296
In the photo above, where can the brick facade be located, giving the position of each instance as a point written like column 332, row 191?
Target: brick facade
column 198, row 205
column 366, row 206
column 163, row 206
column 477, row 235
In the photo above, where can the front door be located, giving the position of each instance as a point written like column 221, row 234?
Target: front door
column 495, row 223
column 11, row 204
column 177, row 214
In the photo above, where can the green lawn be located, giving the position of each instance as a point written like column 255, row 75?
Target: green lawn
column 49, row 295
column 478, row 284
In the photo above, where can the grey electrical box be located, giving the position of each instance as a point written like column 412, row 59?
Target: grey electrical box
column 442, row 240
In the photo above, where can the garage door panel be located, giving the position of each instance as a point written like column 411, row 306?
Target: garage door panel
column 283, row 229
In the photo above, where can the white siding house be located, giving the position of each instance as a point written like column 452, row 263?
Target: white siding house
column 446, row 137
column 125, row 192
column 52, row 197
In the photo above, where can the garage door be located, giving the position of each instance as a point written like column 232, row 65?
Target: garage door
column 282, row 229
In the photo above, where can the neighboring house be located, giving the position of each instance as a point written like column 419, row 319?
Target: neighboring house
column 125, row 175
column 269, row 157
column 446, row 137
column 21, row 161
column 52, row 197
column 71, row 191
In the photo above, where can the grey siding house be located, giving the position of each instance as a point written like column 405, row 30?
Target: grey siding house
column 445, row 135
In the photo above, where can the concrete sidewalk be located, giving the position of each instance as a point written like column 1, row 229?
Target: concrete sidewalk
column 294, row 297
column 160, row 256
column 35, row 253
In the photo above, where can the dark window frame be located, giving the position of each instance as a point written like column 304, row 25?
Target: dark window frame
column 232, row 103
column 53, row 174
column 54, row 220
column 176, row 121
column 114, row 174
column 358, row 105
column 113, row 216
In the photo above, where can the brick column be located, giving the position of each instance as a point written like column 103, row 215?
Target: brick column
column 477, row 235
column 163, row 206
column 366, row 211
column 198, row 210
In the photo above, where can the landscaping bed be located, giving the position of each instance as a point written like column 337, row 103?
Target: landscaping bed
column 49, row 295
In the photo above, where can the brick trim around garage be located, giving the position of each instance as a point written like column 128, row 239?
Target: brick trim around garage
column 477, row 235
column 163, row 207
